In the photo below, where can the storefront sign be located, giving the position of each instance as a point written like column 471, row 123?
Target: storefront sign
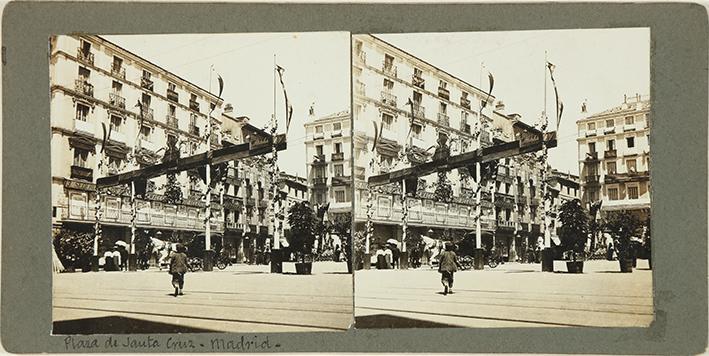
column 85, row 186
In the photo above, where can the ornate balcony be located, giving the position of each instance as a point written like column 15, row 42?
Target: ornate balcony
column 591, row 179
column 171, row 121
column 418, row 82
column 610, row 154
column 83, row 86
column 319, row 160
column 320, row 181
column 146, row 83
column 339, row 156
column 118, row 71
column 419, row 111
column 117, row 100
column 465, row 127
column 592, row 156
column 389, row 69
column 194, row 130
column 194, row 105
column 388, row 99
column 172, row 95
column 84, row 173
column 444, row 93
column 465, row 102
column 443, row 119
column 85, row 56
column 147, row 113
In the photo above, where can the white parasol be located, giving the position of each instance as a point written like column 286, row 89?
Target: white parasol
column 393, row 242
column 121, row 243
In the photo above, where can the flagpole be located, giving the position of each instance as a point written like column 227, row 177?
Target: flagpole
column 478, row 254
column 276, row 263
column 547, row 259
column 208, row 175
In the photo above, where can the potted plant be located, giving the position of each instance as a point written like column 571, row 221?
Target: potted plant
column 573, row 233
column 302, row 222
column 622, row 226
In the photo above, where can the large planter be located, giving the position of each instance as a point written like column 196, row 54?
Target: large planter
column 574, row 266
column 303, row 267
column 626, row 265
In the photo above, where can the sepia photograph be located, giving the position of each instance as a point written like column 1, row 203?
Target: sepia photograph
column 502, row 179
column 200, row 183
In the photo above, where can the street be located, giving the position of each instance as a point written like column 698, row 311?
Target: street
column 241, row 298
column 511, row 295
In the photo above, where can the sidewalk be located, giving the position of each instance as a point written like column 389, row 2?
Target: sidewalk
column 241, row 298
column 511, row 295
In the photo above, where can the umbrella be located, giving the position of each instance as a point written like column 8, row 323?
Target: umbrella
column 121, row 243
column 393, row 242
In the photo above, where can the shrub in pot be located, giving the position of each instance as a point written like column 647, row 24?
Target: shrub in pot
column 623, row 226
column 302, row 220
column 573, row 233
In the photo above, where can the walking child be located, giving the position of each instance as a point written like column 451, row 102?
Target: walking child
column 447, row 265
column 178, row 268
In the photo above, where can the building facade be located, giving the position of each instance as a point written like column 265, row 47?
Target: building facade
column 95, row 86
column 614, row 157
column 443, row 107
column 328, row 147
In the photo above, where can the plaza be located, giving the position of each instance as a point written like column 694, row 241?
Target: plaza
column 511, row 295
column 240, row 298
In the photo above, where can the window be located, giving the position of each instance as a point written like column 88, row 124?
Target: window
column 629, row 120
column 358, row 110
column 117, row 87
column 416, row 129
column 320, row 172
column 145, row 132
column 116, row 123
column 610, row 145
column 630, row 165
column 318, row 150
column 146, row 75
column 358, row 47
column 193, row 97
column 82, row 112
column 418, row 73
column 337, row 126
column 387, row 121
column 339, row 169
column 593, row 170
column 442, row 108
column 84, row 73
column 591, row 126
column 442, row 84
column 388, row 61
column 611, row 168
column 80, row 157
column 85, row 46
column 171, row 86
column 610, row 123
column 318, row 129
column 507, row 188
column 633, row 192
column 388, row 84
column 464, row 95
column 146, row 100
column 338, row 147
column 117, row 63
column 171, row 110
column 630, row 141
column 114, row 163
column 613, row 193
column 340, row 196
column 417, row 98
column 591, row 147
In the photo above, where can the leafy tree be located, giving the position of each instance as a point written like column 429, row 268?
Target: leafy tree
column 173, row 190
column 444, row 191
column 342, row 226
column 302, row 221
column 574, row 227
column 622, row 227
column 74, row 248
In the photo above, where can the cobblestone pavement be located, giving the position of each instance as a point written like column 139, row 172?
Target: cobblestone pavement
column 512, row 295
column 241, row 298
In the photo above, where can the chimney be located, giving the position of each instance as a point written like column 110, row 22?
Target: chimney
column 311, row 111
column 637, row 97
column 500, row 106
column 625, row 98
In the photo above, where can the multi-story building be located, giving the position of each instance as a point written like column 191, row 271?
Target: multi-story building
column 385, row 79
column 614, row 157
column 328, row 147
column 95, row 86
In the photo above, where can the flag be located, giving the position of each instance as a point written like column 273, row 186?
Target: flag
column 139, row 105
column 411, row 123
column 106, row 136
column 559, row 104
column 289, row 108
column 489, row 93
column 376, row 136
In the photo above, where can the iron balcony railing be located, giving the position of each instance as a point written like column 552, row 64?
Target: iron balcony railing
column 610, row 154
column 465, row 102
column 444, row 93
column 172, row 95
column 118, row 71
column 443, row 119
column 388, row 98
column 419, row 111
column 85, row 56
column 171, row 121
column 338, row 156
column 389, row 69
column 418, row 82
column 83, row 86
column 117, row 100
column 147, row 113
column 320, row 180
column 146, row 83
column 194, row 105
column 83, row 173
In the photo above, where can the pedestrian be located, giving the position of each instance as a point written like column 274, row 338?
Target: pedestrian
column 124, row 258
column 178, row 268
column 609, row 252
column 395, row 255
column 389, row 257
column 447, row 265
column 117, row 261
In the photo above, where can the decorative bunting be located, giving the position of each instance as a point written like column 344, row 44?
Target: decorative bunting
column 289, row 108
column 559, row 104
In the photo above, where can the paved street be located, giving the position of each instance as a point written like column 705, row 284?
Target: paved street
column 512, row 295
column 240, row 298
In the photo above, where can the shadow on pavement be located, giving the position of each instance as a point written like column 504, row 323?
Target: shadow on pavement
column 386, row 321
column 522, row 271
column 119, row 325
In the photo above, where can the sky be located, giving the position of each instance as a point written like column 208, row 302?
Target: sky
column 596, row 65
column 316, row 71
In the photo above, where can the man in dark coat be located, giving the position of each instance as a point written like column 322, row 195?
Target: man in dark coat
column 178, row 268
column 447, row 265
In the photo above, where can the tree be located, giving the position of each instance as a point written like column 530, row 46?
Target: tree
column 342, row 226
column 74, row 248
column 173, row 190
column 444, row 191
column 622, row 227
column 574, row 227
column 302, row 220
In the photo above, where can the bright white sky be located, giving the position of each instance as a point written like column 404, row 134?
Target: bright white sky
column 316, row 64
column 598, row 65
